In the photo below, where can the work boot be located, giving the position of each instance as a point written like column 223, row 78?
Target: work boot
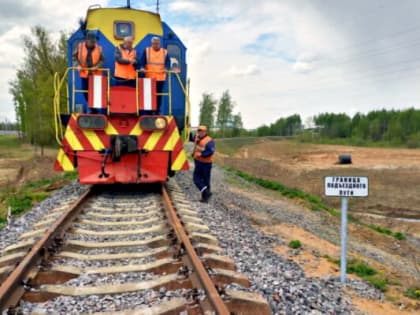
column 205, row 195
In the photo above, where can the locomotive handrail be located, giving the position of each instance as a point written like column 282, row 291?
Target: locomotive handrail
column 185, row 90
column 58, row 84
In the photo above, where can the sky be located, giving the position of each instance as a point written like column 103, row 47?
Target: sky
column 276, row 57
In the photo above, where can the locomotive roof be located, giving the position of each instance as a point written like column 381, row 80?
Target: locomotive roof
column 104, row 19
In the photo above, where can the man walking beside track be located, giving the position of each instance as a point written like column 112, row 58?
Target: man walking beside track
column 203, row 158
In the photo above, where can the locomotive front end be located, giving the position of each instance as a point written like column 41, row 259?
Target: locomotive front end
column 111, row 133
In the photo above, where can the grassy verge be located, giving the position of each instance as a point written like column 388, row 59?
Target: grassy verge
column 24, row 198
column 413, row 293
column 364, row 271
column 380, row 229
column 313, row 202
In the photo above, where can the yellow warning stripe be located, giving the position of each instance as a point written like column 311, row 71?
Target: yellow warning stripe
column 110, row 130
column 136, row 131
column 172, row 141
column 180, row 160
column 94, row 140
column 72, row 140
column 64, row 161
column 153, row 140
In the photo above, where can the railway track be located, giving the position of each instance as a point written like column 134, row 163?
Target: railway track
column 136, row 252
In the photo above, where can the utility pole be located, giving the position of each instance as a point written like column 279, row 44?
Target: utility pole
column 128, row 4
column 157, row 6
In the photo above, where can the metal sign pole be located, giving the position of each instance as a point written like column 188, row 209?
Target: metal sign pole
column 343, row 262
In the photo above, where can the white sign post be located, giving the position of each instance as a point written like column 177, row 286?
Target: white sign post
column 345, row 187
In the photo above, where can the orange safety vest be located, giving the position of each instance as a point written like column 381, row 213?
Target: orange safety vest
column 82, row 53
column 200, row 145
column 155, row 63
column 126, row 71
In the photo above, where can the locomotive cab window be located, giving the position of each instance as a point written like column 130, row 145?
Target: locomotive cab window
column 174, row 53
column 123, row 29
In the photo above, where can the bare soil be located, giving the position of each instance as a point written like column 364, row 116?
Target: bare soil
column 394, row 174
column 22, row 164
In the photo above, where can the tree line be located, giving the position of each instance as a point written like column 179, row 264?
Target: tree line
column 7, row 125
column 32, row 89
column 286, row 127
column 396, row 127
column 218, row 115
column 392, row 126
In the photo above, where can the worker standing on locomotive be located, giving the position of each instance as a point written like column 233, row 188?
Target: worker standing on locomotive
column 125, row 63
column 88, row 58
column 155, row 61
column 203, row 159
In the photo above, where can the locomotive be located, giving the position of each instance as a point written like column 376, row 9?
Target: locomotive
column 115, row 135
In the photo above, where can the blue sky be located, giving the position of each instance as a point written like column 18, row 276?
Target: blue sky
column 277, row 58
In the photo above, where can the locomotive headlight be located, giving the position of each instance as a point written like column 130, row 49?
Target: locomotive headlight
column 94, row 122
column 160, row 123
column 150, row 123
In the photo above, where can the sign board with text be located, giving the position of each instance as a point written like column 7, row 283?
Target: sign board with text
column 346, row 186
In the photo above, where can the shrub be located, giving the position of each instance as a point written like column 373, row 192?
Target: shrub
column 399, row 236
column 413, row 293
column 381, row 284
column 295, row 244
column 360, row 269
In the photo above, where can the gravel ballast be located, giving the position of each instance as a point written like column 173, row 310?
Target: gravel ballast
column 24, row 223
column 281, row 281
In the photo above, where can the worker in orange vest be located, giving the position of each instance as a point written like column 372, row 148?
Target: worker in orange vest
column 88, row 58
column 204, row 149
column 125, row 63
column 155, row 61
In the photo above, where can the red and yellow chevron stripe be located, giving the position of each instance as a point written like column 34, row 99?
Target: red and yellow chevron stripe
column 76, row 139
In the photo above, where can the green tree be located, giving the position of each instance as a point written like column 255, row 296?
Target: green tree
column 207, row 110
column 224, row 113
column 237, row 125
column 32, row 89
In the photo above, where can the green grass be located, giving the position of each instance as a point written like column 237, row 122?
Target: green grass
column 398, row 235
column 295, row 244
column 379, row 283
column 26, row 197
column 11, row 147
column 361, row 269
column 19, row 203
column 10, row 141
column 314, row 202
column 364, row 271
column 2, row 223
column 413, row 293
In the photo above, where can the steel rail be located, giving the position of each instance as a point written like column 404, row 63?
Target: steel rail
column 12, row 288
column 206, row 282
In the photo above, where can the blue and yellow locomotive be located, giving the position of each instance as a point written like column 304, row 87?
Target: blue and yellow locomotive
column 122, row 134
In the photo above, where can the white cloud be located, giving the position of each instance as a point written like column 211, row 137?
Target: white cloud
column 16, row 19
column 303, row 67
column 248, row 70
column 186, row 6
